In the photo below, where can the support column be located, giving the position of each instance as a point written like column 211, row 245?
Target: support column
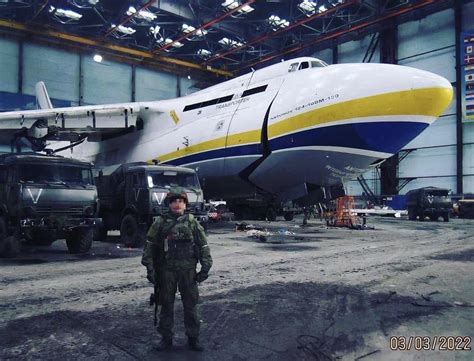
column 459, row 125
column 21, row 62
column 388, row 55
column 134, row 81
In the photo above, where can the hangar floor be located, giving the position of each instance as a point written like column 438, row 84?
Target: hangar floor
column 322, row 294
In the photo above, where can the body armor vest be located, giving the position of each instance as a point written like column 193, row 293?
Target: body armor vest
column 179, row 242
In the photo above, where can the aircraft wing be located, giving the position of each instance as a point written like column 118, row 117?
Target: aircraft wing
column 73, row 123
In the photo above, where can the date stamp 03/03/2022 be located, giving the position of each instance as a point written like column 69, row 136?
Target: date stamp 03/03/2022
column 430, row 343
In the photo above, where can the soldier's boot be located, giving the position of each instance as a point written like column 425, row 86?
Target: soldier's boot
column 165, row 344
column 194, row 344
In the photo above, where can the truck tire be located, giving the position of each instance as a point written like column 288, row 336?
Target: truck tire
column 446, row 217
column 289, row 216
column 411, row 215
column 421, row 214
column 270, row 214
column 79, row 240
column 129, row 231
column 12, row 246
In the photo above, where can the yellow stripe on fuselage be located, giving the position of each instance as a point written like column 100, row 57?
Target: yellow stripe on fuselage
column 409, row 102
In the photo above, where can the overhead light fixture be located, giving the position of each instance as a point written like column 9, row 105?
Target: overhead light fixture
column 189, row 29
column 232, row 4
column 93, row 2
column 69, row 14
column 142, row 14
column 167, row 41
column 204, row 53
column 155, row 31
column 189, row 77
column 277, row 23
column 307, row 7
column 124, row 29
column 322, row 9
column 230, row 43
column 97, row 58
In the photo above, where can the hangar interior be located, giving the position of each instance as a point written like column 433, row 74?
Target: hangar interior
column 164, row 49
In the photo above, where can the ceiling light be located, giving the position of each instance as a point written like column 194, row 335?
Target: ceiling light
column 246, row 9
column 230, row 43
column 65, row 13
column 124, row 29
column 93, row 2
column 204, row 53
column 230, row 4
column 277, row 23
column 97, row 58
column 307, row 7
column 322, row 9
column 155, row 31
column 189, row 77
column 187, row 28
column 142, row 14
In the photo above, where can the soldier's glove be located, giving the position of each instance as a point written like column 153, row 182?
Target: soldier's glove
column 201, row 276
column 150, row 276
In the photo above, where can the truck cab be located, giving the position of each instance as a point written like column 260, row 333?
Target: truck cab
column 43, row 198
column 134, row 195
column 429, row 202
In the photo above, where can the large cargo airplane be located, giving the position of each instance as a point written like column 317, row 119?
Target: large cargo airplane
column 287, row 130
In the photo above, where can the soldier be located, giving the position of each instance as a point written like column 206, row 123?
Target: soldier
column 175, row 243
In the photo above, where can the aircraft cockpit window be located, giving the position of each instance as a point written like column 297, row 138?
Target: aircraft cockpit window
column 318, row 64
column 293, row 67
column 304, row 65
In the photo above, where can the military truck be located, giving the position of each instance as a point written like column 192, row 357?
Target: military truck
column 429, row 202
column 44, row 198
column 133, row 195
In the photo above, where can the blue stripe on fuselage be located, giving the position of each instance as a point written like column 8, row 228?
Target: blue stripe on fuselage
column 386, row 137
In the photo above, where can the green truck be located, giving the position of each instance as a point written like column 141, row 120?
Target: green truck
column 133, row 195
column 429, row 202
column 44, row 198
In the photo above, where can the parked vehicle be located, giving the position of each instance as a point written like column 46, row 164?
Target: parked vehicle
column 133, row 196
column 44, row 198
column 429, row 202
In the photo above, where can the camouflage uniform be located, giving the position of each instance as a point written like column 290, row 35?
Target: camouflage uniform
column 174, row 245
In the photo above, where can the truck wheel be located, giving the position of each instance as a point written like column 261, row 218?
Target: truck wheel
column 289, row 216
column 422, row 216
column 446, row 217
column 411, row 215
column 79, row 240
column 12, row 246
column 129, row 232
column 270, row 214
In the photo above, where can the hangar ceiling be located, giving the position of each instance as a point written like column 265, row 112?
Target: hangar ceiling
column 221, row 38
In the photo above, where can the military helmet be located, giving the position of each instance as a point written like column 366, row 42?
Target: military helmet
column 176, row 193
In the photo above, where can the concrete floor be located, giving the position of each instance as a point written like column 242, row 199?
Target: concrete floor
column 320, row 294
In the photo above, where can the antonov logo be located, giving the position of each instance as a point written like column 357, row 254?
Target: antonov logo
column 33, row 198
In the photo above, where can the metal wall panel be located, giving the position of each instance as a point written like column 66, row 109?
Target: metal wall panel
column 324, row 55
column 433, row 32
column 354, row 51
column 434, row 36
column 58, row 69
column 440, row 161
column 467, row 16
column 468, row 164
column 154, row 85
column 441, row 182
column 106, row 82
column 9, row 50
column 187, row 86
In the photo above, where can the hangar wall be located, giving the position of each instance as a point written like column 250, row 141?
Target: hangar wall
column 73, row 79
column 430, row 159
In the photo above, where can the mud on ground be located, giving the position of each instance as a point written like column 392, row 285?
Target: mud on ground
column 320, row 294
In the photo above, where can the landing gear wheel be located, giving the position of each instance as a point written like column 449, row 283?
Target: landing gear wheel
column 79, row 240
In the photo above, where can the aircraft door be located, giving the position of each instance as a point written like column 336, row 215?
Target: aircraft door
column 244, row 133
